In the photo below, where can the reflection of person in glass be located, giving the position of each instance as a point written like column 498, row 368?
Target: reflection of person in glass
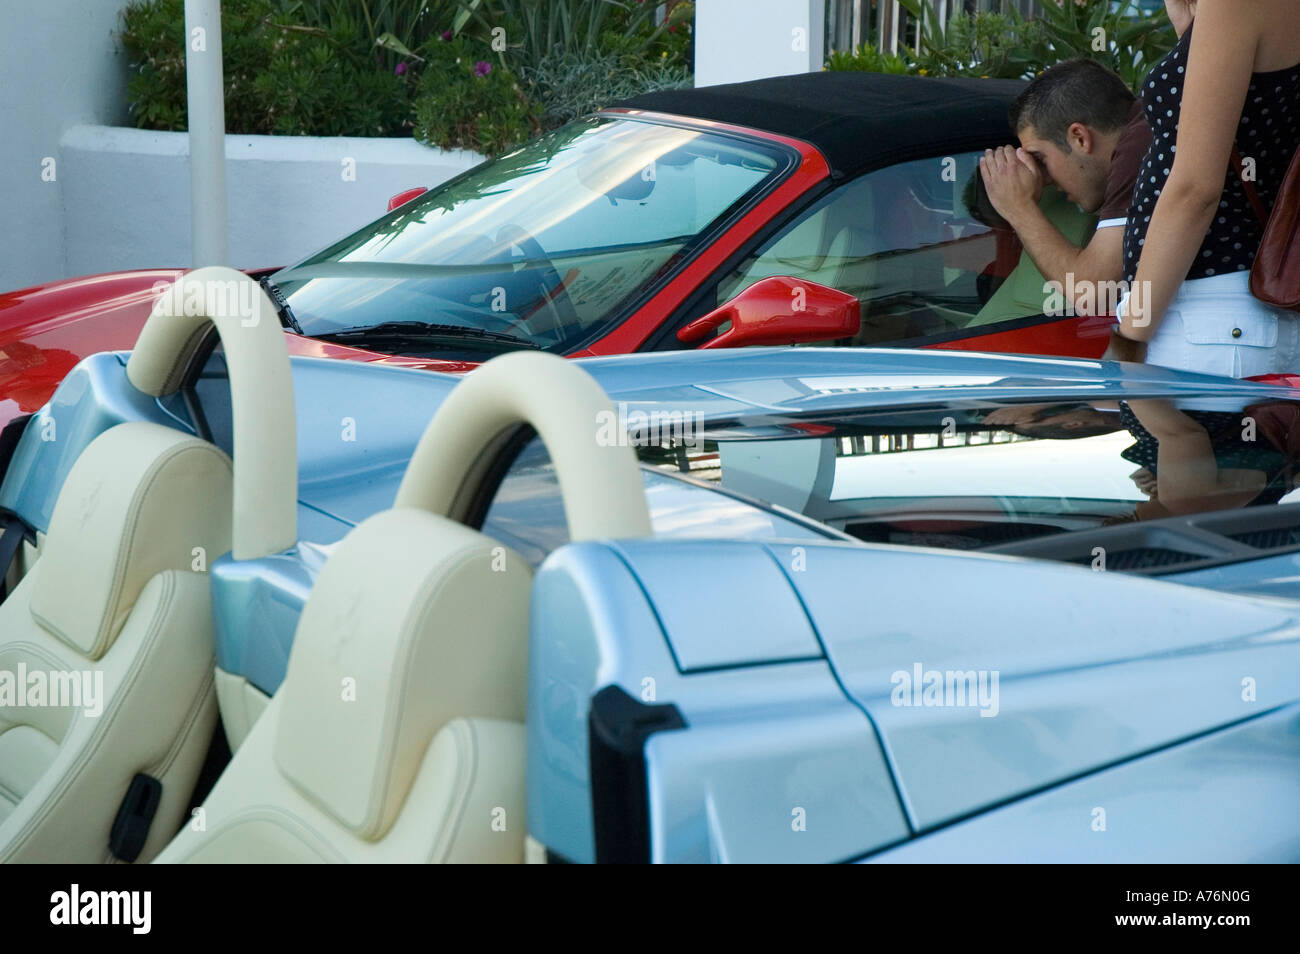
column 1189, row 460
column 1197, row 460
column 1055, row 422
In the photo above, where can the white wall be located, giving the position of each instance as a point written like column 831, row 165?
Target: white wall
column 59, row 65
column 737, row 40
column 126, row 193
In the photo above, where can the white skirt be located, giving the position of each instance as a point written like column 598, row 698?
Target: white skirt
column 1216, row 326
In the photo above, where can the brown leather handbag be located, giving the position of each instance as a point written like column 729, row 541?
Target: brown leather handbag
column 1275, row 275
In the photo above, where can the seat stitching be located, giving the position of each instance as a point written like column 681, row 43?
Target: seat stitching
column 460, row 797
column 273, row 814
column 394, row 713
column 127, row 539
column 192, row 716
column 106, row 721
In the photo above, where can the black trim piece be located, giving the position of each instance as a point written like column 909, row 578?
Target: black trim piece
column 11, row 541
column 202, row 355
column 617, row 728
column 979, row 331
column 1172, row 545
column 505, row 449
column 131, row 826
column 9, row 438
column 214, row 763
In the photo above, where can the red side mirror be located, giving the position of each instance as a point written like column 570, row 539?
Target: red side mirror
column 404, row 197
column 779, row 311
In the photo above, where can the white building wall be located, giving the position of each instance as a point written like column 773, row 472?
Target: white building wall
column 126, row 193
column 60, row 64
column 737, row 40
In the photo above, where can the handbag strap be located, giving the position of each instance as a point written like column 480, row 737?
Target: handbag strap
column 1255, row 203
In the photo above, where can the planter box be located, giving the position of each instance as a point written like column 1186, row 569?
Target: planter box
column 126, row 200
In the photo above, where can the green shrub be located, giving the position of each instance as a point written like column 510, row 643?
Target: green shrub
column 1120, row 35
column 153, row 37
column 411, row 23
column 383, row 67
column 467, row 102
column 280, row 75
column 567, row 86
column 867, row 59
column 576, row 56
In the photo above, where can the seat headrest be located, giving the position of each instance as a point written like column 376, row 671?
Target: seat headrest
column 140, row 499
column 414, row 621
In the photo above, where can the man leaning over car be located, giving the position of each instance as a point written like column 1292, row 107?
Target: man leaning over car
column 1081, row 129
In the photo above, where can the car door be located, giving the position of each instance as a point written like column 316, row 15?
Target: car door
column 930, row 261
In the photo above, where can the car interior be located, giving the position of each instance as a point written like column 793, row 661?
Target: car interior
column 379, row 748
column 907, row 243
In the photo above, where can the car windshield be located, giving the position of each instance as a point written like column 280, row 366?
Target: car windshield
column 544, row 247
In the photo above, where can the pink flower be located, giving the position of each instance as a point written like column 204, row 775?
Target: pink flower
column 446, row 34
column 482, row 68
column 400, row 69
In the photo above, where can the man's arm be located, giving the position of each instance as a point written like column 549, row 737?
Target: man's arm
column 1013, row 183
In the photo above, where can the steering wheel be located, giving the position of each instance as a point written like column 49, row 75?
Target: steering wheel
column 562, row 311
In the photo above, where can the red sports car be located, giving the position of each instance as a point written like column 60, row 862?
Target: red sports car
column 822, row 208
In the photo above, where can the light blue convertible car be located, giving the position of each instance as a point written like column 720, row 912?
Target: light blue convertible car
column 778, row 605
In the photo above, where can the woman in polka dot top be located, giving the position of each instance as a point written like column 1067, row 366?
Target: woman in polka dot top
column 1233, row 79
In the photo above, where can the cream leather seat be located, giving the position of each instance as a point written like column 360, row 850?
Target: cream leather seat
column 398, row 732
column 112, row 602
column 117, row 607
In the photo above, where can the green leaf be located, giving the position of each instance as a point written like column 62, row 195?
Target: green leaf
column 390, row 42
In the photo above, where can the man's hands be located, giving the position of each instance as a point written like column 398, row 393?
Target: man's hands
column 1013, row 180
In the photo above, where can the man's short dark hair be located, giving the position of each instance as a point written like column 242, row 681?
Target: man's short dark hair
column 1075, row 91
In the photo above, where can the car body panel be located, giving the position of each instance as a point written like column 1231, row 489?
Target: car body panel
column 783, row 679
column 1228, row 796
column 1094, row 669
column 769, row 625
column 593, row 626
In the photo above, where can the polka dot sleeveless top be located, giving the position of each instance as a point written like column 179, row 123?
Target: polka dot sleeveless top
column 1269, row 133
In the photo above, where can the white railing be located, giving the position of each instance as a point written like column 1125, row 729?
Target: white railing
column 884, row 23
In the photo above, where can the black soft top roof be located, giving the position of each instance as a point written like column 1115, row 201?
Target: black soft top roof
column 859, row 121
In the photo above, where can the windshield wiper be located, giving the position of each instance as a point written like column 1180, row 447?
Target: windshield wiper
column 406, row 330
column 287, row 320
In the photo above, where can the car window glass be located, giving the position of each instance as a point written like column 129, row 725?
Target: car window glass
column 919, row 247
column 527, row 513
column 545, row 246
column 1064, row 479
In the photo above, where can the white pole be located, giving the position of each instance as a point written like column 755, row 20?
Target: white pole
column 207, row 124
